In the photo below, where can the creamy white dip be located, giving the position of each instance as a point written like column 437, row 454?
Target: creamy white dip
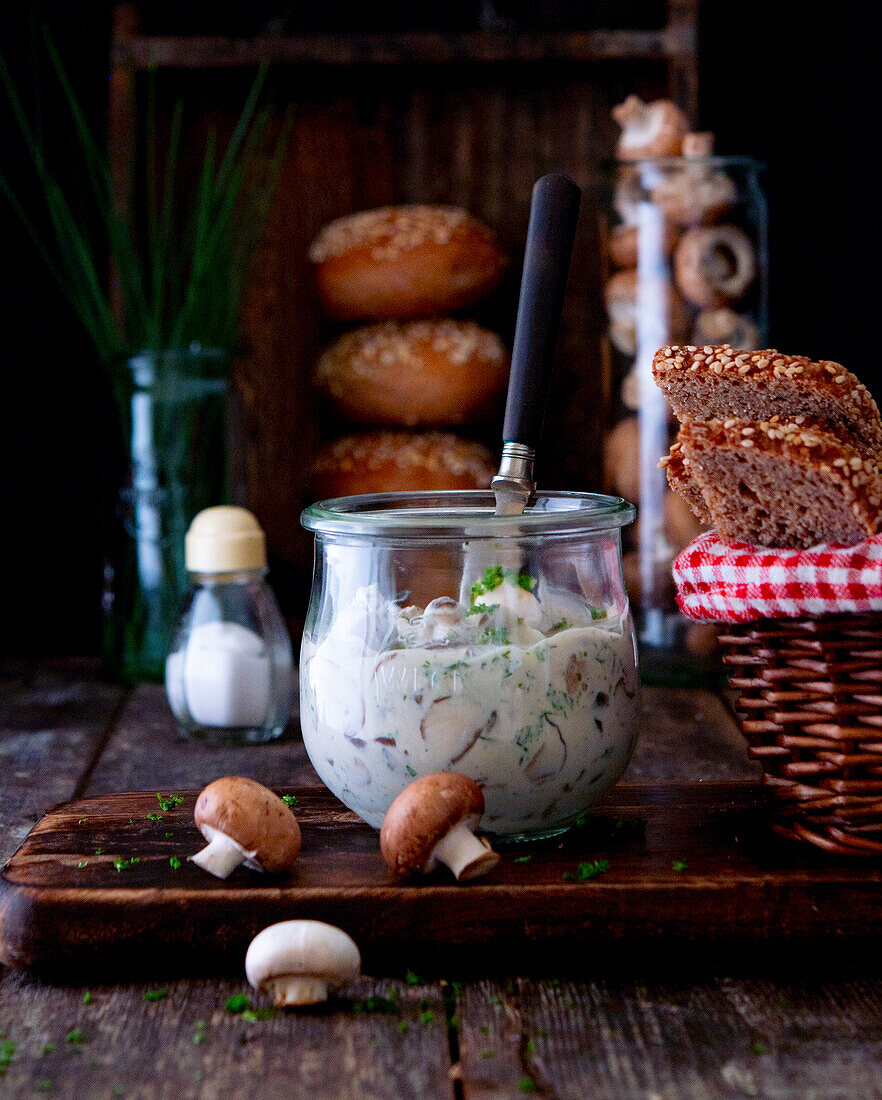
column 534, row 696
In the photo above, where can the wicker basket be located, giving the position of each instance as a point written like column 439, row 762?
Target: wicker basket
column 810, row 706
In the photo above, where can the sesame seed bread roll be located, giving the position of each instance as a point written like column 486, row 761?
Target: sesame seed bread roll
column 710, row 382
column 414, row 372
column 386, row 462
column 782, row 484
column 404, row 261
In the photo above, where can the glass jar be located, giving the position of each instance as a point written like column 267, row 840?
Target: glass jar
column 685, row 244
column 229, row 671
column 441, row 637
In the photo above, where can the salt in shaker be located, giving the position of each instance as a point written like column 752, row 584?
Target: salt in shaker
column 229, row 671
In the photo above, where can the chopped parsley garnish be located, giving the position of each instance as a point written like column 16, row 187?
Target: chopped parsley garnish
column 483, row 608
column 413, row 978
column 289, row 799
column 377, row 1004
column 495, row 575
column 124, row 864
column 153, row 995
column 403, row 1027
column 76, row 1037
column 679, row 865
column 427, row 1017
column 82, row 821
column 83, row 863
column 99, row 851
column 168, row 835
column 529, row 1047
column 45, row 1085
column 7, row 1053
column 526, row 1084
column 484, row 1030
column 237, row 1003
column 154, row 817
column 87, row 998
column 587, row 870
column 48, row 1048
column 256, row 1015
column 598, row 612
column 410, row 771
column 758, row 1049
column 174, row 863
column 168, row 801
column 561, row 624
column 200, row 1034
column 499, row 636
column 523, row 859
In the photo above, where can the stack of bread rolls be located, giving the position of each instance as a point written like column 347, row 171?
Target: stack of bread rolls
column 773, row 450
column 399, row 270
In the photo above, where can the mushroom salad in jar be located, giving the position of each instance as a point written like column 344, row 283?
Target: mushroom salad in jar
column 444, row 638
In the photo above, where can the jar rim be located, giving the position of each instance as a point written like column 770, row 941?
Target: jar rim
column 468, row 513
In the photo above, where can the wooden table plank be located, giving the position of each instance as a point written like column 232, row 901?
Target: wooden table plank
column 689, row 736
column 701, row 870
column 53, row 720
column 143, row 1049
column 628, row 1040
column 611, row 1037
column 146, row 752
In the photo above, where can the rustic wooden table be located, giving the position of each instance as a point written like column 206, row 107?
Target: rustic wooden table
column 677, row 1031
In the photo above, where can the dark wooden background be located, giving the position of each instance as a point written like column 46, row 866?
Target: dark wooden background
column 795, row 84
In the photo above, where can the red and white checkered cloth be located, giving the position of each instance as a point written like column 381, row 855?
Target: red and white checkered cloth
column 735, row 582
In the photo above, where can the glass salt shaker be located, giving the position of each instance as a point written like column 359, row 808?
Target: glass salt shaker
column 229, row 670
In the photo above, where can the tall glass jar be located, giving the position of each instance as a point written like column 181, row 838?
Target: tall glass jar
column 686, row 262
column 174, row 419
column 441, row 637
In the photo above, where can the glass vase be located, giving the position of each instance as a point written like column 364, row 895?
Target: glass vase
column 175, row 421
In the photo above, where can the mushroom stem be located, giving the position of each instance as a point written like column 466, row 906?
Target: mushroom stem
column 466, row 855
column 220, row 857
column 296, row 989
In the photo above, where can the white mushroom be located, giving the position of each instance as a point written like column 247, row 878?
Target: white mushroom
column 433, row 820
column 442, row 617
column 298, row 962
column 244, row 822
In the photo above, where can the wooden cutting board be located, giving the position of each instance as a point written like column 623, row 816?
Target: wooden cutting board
column 64, row 908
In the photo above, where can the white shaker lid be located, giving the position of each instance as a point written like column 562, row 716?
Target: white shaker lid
column 223, row 540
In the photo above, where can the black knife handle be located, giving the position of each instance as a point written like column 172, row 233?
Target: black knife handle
column 554, row 212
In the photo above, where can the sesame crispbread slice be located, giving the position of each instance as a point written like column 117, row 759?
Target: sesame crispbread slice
column 717, row 382
column 779, row 483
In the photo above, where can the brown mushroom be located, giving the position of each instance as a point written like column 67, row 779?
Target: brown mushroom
column 652, row 129
column 433, row 820
column 244, row 822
